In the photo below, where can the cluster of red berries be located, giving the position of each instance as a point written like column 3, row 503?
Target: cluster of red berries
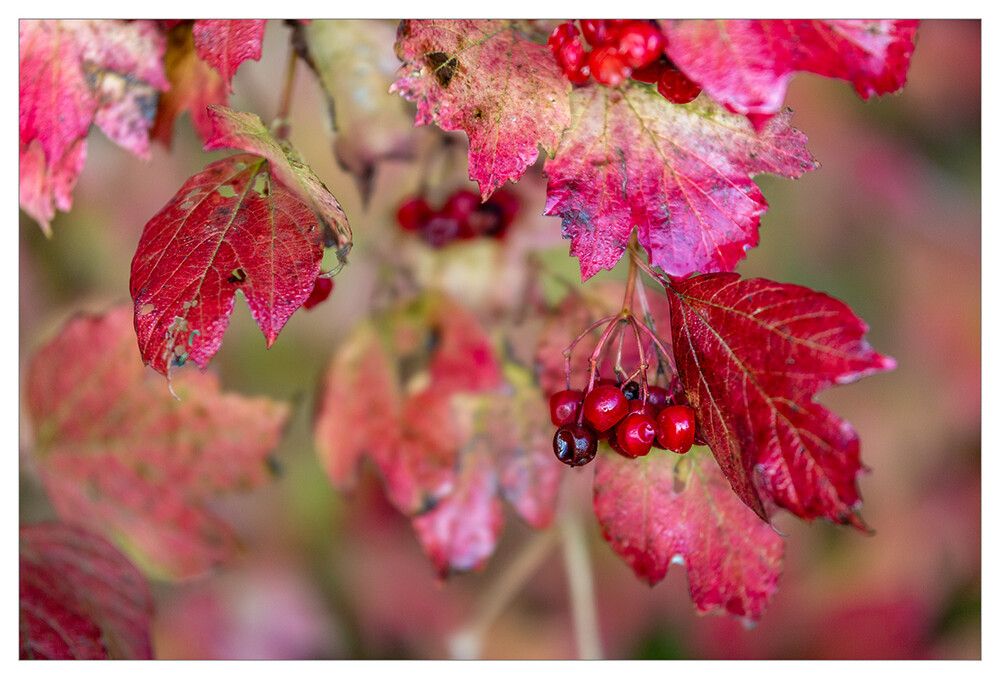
column 622, row 48
column 631, row 425
column 463, row 216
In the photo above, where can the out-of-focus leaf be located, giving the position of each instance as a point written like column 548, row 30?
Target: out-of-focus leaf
column 751, row 355
column 747, row 64
column 351, row 59
column 80, row 598
column 120, row 455
column 680, row 174
column 481, row 76
column 224, row 44
column 662, row 508
column 73, row 74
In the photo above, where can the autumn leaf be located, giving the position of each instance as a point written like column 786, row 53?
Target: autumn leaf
column 118, row 454
column 371, row 126
column 224, row 44
column 194, row 85
column 73, row 74
column 482, row 77
column 80, row 598
column 237, row 225
column 751, row 355
column 680, row 174
column 387, row 396
column 746, row 65
column 662, row 509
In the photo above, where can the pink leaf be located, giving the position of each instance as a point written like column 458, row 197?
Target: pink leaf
column 651, row 518
column 751, row 355
column 504, row 91
column 681, row 174
column 225, row 44
column 117, row 453
column 747, row 64
column 80, row 597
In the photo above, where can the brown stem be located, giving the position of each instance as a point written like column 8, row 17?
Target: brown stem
column 282, row 128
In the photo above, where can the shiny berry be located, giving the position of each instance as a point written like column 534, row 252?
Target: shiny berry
column 599, row 32
column 675, row 428
column 607, row 66
column 649, row 73
column 321, row 290
column 564, row 406
column 641, row 43
column 562, row 33
column 657, row 397
column 676, row 87
column 631, row 390
column 604, row 407
column 636, row 434
column 574, row 444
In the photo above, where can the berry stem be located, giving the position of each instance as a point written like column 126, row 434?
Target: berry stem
column 613, row 326
column 568, row 351
column 282, row 128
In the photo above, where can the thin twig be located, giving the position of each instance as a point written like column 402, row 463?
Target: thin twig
column 581, row 586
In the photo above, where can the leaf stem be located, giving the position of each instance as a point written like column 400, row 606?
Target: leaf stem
column 282, row 128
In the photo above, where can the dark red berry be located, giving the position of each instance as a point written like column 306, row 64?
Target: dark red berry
column 413, row 213
column 564, row 406
column 321, row 290
column 574, row 444
column 600, row 32
column 657, row 397
column 631, row 390
column 604, row 407
column 561, row 34
column 675, row 428
column 440, row 230
column 607, row 66
column 676, row 87
column 461, row 204
column 641, row 43
column 649, row 73
column 635, row 405
column 636, row 434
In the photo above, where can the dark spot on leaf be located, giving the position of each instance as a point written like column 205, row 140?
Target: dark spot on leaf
column 239, row 275
column 444, row 67
column 479, row 114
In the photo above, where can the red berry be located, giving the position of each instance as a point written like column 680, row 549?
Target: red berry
column 574, row 444
column 641, row 43
column 599, row 32
column 413, row 213
column 676, row 87
column 607, row 66
column 572, row 56
column 635, row 405
column 564, row 406
column 657, row 397
column 636, row 434
column 675, row 428
column 440, row 230
column 561, row 34
column 649, row 73
column 604, row 407
column 321, row 290
column 461, row 204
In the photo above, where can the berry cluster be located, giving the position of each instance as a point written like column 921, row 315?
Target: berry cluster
column 621, row 49
column 463, row 216
column 631, row 424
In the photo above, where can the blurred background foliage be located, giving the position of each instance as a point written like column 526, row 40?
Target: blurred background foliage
column 891, row 224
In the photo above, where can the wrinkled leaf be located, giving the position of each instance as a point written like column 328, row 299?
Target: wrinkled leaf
column 653, row 514
column 505, row 92
column 120, row 455
column 387, row 395
column 224, row 44
column 234, row 226
column 747, row 64
column 680, row 174
column 351, row 59
column 751, row 355
column 80, row 598
column 73, row 74
column 194, row 85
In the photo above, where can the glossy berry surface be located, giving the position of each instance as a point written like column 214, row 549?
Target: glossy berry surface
column 636, row 434
column 413, row 213
column 675, row 428
column 608, row 66
column 574, row 444
column 321, row 290
column 641, row 43
column 657, row 398
column 676, row 87
column 564, row 406
column 604, row 407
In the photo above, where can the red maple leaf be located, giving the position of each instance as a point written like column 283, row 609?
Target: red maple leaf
column 80, row 598
column 224, row 44
column 681, row 175
column 751, row 355
column 117, row 453
column 255, row 223
column 73, row 74
column 663, row 508
column 747, row 64
column 506, row 92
